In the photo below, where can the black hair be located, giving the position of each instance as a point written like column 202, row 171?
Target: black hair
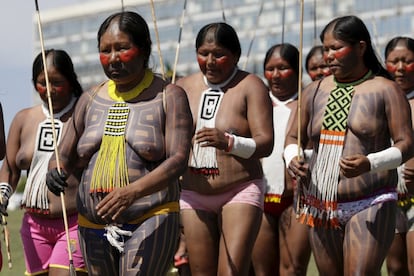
column 406, row 41
column 135, row 26
column 63, row 64
column 288, row 52
column 224, row 35
column 352, row 30
column 314, row 50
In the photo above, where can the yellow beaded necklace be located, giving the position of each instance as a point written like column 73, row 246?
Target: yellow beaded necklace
column 115, row 95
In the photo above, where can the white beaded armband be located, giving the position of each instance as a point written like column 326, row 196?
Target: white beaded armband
column 6, row 190
column 290, row 152
column 240, row 146
column 387, row 159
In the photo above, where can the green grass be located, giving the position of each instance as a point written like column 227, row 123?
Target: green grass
column 14, row 222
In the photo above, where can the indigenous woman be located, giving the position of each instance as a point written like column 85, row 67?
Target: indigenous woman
column 399, row 57
column 131, row 135
column 315, row 63
column 30, row 145
column 282, row 245
column 351, row 118
column 223, row 188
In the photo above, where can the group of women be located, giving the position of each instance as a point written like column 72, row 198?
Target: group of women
column 220, row 158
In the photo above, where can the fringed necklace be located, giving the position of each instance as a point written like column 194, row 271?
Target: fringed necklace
column 320, row 208
column 34, row 197
column 110, row 170
column 203, row 160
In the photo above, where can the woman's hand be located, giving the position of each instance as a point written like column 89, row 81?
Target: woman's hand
column 354, row 165
column 211, row 137
column 113, row 204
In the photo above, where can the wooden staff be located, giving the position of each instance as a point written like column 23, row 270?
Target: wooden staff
column 299, row 107
column 223, row 15
column 154, row 19
column 49, row 100
column 177, row 52
column 6, row 237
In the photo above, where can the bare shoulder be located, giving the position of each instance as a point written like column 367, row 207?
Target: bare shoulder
column 191, row 82
column 27, row 113
column 174, row 90
column 250, row 84
column 385, row 89
column 250, row 79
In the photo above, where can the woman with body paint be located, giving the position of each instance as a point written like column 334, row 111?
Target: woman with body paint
column 350, row 181
column 131, row 135
column 222, row 189
column 315, row 64
column 29, row 148
column 399, row 58
column 282, row 245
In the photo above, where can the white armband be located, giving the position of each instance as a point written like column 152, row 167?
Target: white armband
column 290, row 152
column 308, row 154
column 241, row 146
column 387, row 159
column 6, row 190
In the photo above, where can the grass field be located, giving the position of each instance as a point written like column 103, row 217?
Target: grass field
column 18, row 269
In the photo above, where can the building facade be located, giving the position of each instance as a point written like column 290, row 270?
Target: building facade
column 259, row 23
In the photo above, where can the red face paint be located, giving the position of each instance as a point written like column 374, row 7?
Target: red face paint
column 128, row 55
column 222, row 60
column 202, row 61
column 268, row 74
column 286, row 73
column 104, row 58
column 313, row 75
column 61, row 87
column 41, row 88
column 342, row 52
column 409, row 67
column 283, row 73
column 391, row 68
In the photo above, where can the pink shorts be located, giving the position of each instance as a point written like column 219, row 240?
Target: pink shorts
column 45, row 244
column 251, row 193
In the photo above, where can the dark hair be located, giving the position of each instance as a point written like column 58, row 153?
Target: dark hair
column 135, row 27
column 224, row 35
column 352, row 30
column 406, row 41
column 63, row 64
column 313, row 51
column 288, row 52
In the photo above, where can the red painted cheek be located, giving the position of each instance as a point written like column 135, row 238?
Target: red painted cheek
column 222, row 60
column 104, row 58
column 313, row 75
column 128, row 55
column 61, row 88
column 409, row 67
column 343, row 52
column 268, row 75
column 284, row 74
column 201, row 61
column 40, row 88
column 391, row 68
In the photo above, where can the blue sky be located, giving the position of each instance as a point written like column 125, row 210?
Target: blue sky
column 16, row 53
